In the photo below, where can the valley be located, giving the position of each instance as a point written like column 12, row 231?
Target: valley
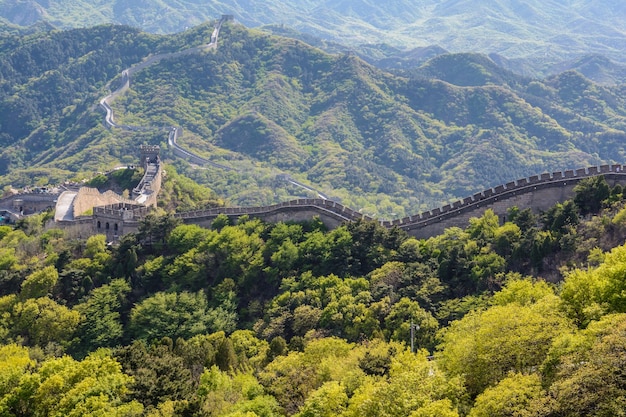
column 298, row 123
column 258, row 222
column 535, row 37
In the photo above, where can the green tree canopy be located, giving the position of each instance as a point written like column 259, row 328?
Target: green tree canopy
column 170, row 315
column 484, row 346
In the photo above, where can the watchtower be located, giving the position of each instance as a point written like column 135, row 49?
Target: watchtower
column 149, row 155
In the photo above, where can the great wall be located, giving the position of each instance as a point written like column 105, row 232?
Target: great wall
column 85, row 211
column 538, row 192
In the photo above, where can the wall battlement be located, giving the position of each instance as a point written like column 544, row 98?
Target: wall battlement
column 538, row 192
column 116, row 220
column 29, row 202
column 148, row 188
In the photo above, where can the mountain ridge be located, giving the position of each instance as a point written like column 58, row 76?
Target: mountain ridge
column 379, row 142
column 544, row 33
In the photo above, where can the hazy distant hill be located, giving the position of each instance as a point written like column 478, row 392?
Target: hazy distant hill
column 546, row 32
column 267, row 105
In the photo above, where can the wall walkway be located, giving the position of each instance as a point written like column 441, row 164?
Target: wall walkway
column 538, row 192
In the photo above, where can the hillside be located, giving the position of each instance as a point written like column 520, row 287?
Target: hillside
column 537, row 34
column 280, row 319
column 385, row 144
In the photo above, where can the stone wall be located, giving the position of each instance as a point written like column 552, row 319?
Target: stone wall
column 29, row 203
column 116, row 220
column 87, row 198
column 75, row 229
column 539, row 193
column 331, row 213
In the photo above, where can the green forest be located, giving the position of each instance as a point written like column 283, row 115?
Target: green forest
column 525, row 318
column 389, row 144
column 533, row 37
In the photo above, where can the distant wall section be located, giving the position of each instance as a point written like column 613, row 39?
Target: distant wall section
column 29, row 203
column 331, row 213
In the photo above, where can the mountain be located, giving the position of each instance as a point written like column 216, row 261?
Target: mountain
column 383, row 143
column 595, row 67
column 541, row 32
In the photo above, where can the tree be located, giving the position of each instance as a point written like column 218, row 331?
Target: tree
column 14, row 362
column 372, row 245
column 42, row 320
column 329, row 400
column 235, row 253
column 483, row 229
column 406, row 312
column 587, row 295
column 155, row 229
column 125, row 257
column 590, row 194
column 170, row 315
column 186, row 236
column 158, row 373
column 507, row 239
column 595, row 386
column 250, row 350
column 225, row 357
column 510, row 397
column 439, row 408
column 561, row 217
column 277, row 347
column 484, row 346
column 63, row 386
column 101, row 324
column 291, row 378
column 39, row 283
column 414, row 385
column 96, row 246
column 234, row 394
column 523, row 291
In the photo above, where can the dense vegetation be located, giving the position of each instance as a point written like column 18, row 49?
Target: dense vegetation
column 388, row 145
column 536, row 35
column 254, row 319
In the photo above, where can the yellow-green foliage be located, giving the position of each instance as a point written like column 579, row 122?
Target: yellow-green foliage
column 63, row 386
column 484, row 347
column 620, row 218
column 510, row 396
column 588, row 294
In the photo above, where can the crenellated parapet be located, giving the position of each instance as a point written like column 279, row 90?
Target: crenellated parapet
column 147, row 190
column 118, row 219
column 538, row 192
column 29, row 202
column 330, row 212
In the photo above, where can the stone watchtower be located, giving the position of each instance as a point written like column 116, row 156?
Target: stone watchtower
column 149, row 155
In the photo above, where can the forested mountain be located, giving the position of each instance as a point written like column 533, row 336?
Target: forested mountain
column 267, row 320
column 387, row 144
column 537, row 34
